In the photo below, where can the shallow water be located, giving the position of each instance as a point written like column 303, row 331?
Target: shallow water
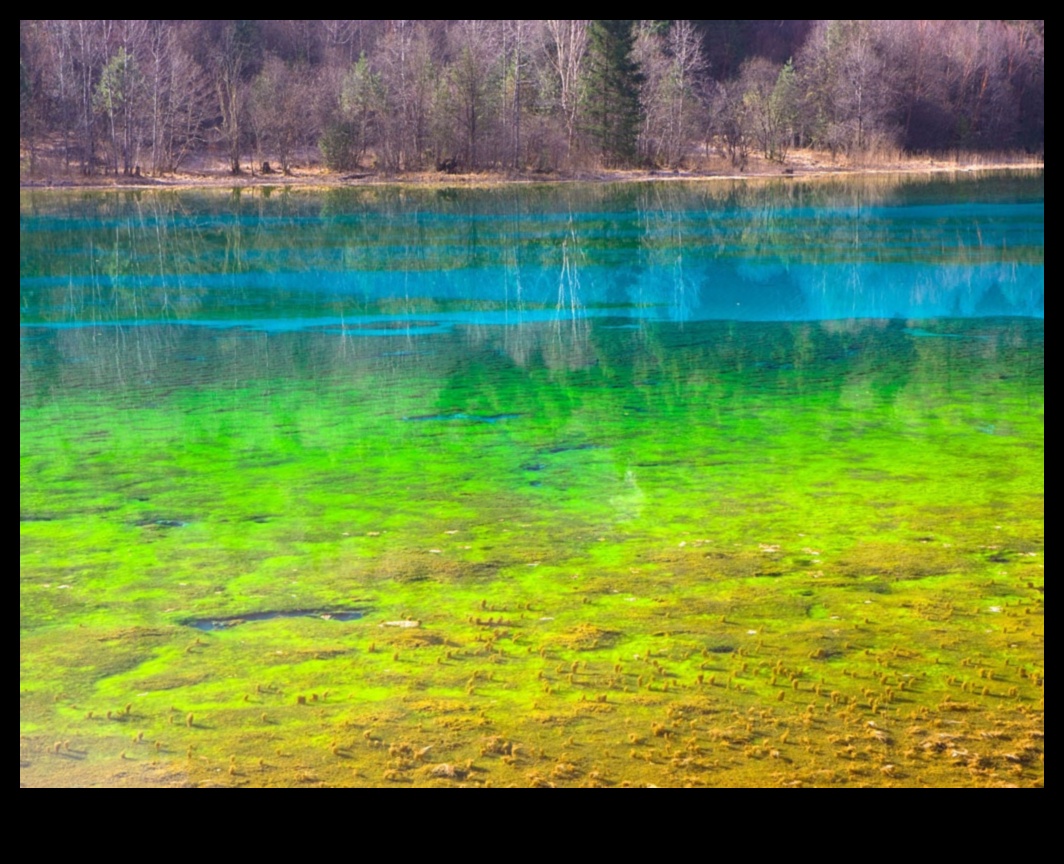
column 692, row 466
column 209, row 624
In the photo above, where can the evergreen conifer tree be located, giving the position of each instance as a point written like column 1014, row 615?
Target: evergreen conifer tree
column 612, row 91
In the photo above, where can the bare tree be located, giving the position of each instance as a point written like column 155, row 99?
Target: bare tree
column 518, row 37
column 59, row 82
column 32, row 100
column 474, row 100
column 280, row 109
column 688, row 69
column 121, row 95
column 731, row 122
column 769, row 95
column 89, row 51
column 354, row 119
column 179, row 93
column 848, row 105
column 670, row 56
column 409, row 76
column 231, row 52
column 567, row 52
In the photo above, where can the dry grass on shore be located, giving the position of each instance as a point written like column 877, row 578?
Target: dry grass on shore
column 49, row 172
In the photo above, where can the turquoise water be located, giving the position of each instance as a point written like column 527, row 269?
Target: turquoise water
column 771, row 434
column 773, row 252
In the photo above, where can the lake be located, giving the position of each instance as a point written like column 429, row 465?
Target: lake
column 669, row 484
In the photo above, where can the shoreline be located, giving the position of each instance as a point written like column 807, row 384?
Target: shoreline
column 314, row 180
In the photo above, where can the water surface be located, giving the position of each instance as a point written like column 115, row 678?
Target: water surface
column 734, row 455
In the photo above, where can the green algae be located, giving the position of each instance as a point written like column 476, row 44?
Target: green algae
column 695, row 553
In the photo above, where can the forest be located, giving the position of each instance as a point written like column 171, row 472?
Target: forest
column 153, row 97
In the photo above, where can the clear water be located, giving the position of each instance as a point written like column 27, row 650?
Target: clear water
column 627, row 481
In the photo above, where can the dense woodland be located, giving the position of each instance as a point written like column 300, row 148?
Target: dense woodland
column 123, row 97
